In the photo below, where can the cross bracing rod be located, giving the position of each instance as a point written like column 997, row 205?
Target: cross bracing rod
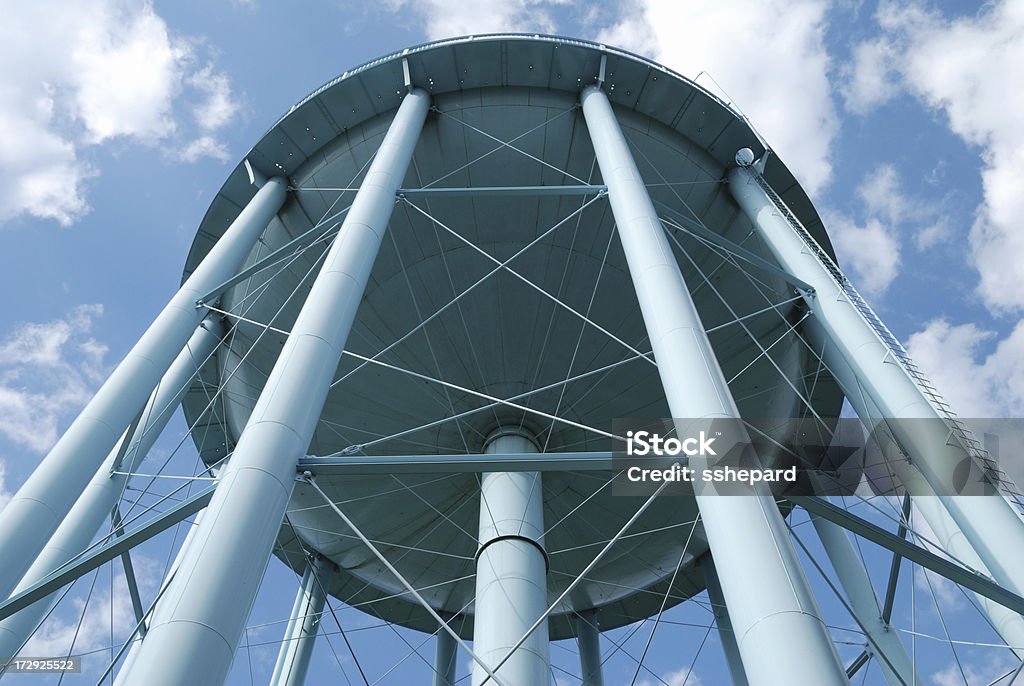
column 572, row 189
column 315, row 233
column 964, row 577
column 697, row 229
column 106, row 552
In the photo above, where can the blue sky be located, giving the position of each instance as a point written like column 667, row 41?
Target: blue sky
column 119, row 119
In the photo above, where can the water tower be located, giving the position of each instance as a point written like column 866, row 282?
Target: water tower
column 406, row 326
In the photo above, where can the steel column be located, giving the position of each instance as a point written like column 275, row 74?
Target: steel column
column 511, row 569
column 94, row 506
column 212, row 592
column 725, row 632
column 588, row 635
column 880, row 388
column 300, row 635
column 446, row 652
column 883, row 643
column 781, row 635
column 44, row 500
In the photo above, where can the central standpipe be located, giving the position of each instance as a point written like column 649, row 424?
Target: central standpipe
column 511, row 569
column 781, row 636
column 210, row 597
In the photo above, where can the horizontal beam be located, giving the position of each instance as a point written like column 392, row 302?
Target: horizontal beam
column 105, row 553
column 694, row 227
column 972, row 581
column 574, row 189
column 451, row 464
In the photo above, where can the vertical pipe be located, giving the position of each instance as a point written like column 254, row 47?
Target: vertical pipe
column 94, row 506
column 883, row 643
column 212, row 592
column 881, row 389
column 446, row 652
column 43, row 501
column 511, row 569
column 588, row 634
column 725, row 632
column 778, row 626
column 300, row 635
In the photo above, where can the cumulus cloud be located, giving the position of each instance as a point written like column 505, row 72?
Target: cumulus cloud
column 447, row 18
column 48, row 371
column 976, row 385
column 964, row 69
column 870, row 249
column 5, row 494
column 89, row 625
column 79, row 74
column 680, row 677
column 767, row 55
column 873, row 249
column 869, row 81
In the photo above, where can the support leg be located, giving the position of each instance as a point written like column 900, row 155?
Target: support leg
column 778, row 626
column 511, row 570
column 300, row 635
column 446, row 652
column 883, row 642
column 210, row 596
column 725, row 632
column 43, row 502
column 588, row 634
column 99, row 497
column 877, row 380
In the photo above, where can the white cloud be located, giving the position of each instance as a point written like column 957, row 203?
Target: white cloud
column 769, row 56
column 89, row 626
column 965, row 69
column 987, row 670
column 48, row 371
column 448, row 18
column 869, row 80
column 5, row 495
column 680, row 677
column 78, row 74
column 975, row 385
column 938, row 589
column 871, row 250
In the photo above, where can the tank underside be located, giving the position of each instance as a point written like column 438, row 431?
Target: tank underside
column 505, row 335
